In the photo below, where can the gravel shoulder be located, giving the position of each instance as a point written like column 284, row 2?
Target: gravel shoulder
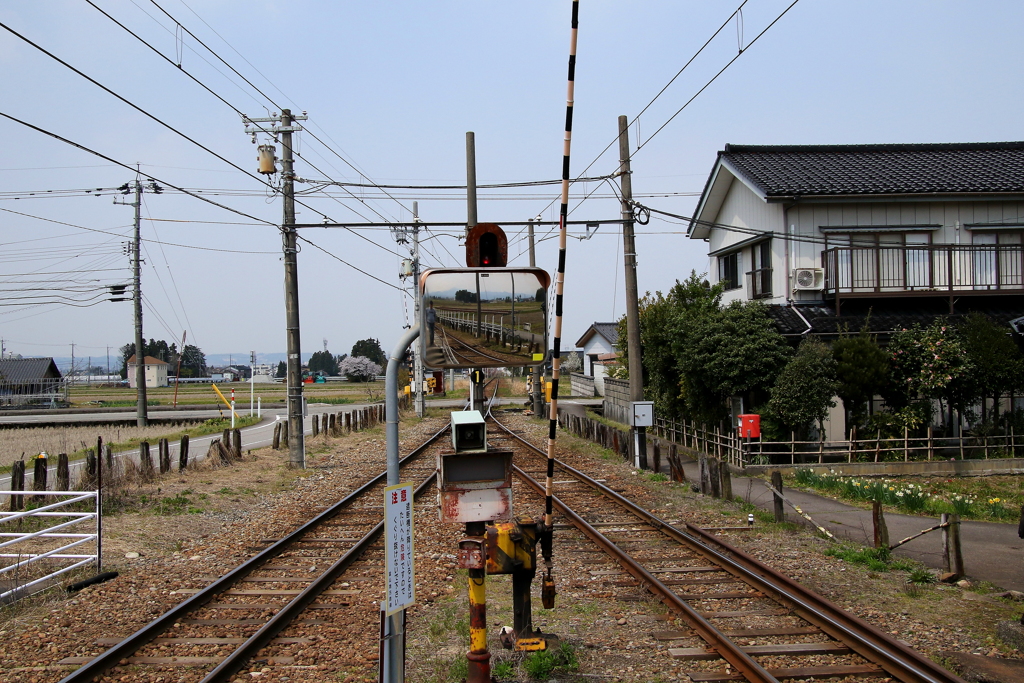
column 229, row 506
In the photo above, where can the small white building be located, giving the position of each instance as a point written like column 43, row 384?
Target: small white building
column 155, row 372
column 599, row 344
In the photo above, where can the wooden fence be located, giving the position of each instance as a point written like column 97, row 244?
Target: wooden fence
column 727, row 445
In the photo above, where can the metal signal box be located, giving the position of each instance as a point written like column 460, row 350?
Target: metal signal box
column 469, row 432
column 474, row 482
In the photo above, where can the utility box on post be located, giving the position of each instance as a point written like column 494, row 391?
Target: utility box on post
column 474, row 482
column 643, row 414
column 750, row 426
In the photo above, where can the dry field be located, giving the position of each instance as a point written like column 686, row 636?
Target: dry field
column 19, row 443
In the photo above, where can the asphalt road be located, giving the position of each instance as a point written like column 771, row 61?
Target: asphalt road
column 259, row 435
column 992, row 551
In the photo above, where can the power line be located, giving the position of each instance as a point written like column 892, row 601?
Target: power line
column 170, row 244
column 133, row 170
column 130, row 103
column 715, row 77
column 338, row 258
column 212, row 92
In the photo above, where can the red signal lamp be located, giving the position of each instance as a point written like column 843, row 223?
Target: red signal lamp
column 486, row 246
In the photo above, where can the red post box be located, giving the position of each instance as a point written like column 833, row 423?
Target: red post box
column 750, row 426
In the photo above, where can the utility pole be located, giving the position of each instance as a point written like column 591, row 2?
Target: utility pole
column 296, row 441
column 417, row 375
column 252, row 381
column 285, row 126
column 142, row 412
column 636, row 377
column 71, row 370
column 476, row 389
column 536, row 392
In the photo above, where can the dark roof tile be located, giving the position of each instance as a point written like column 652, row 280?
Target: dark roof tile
column 807, row 170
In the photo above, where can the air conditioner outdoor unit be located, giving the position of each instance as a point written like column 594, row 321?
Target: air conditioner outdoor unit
column 808, row 279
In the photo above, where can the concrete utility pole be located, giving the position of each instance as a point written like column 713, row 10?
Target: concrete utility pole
column 296, row 441
column 536, row 392
column 417, row 375
column 285, row 126
column 142, row 412
column 476, row 392
column 636, row 377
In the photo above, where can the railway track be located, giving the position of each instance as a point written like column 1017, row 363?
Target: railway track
column 293, row 580
column 745, row 620
column 458, row 351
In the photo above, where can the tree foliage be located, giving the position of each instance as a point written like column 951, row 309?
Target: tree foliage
column 193, row 360
column 862, row 371
column 282, row 369
column 735, row 351
column 930, row 362
column 359, row 369
column 323, row 361
column 696, row 354
column 804, row 390
column 370, row 348
column 997, row 362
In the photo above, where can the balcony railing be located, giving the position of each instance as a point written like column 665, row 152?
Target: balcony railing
column 925, row 269
column 760, row 283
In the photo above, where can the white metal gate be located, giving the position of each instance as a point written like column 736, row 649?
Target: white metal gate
column 21, row 552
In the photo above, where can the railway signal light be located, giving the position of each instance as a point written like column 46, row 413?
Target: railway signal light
column 486, row 246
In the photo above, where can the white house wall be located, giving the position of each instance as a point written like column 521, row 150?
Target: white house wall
column 744, row 209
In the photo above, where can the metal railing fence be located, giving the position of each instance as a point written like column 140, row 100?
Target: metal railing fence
column 49, row 544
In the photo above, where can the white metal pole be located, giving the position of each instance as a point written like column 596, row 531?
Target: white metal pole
column 259, row 407
column 232, row 413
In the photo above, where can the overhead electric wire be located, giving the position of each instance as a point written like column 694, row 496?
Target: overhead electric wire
column 338, row 258
column 107, row 232
column 156, row 271
column 133, row 170
column 129, row 102
column 715, row 77
column 229, row 105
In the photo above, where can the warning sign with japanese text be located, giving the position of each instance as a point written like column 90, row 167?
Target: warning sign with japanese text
column 398, row 541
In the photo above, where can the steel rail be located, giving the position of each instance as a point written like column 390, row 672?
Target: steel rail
column 729, row 650
column 871, row 643
column 238, row 659
column 127, row 647
column 897, row 659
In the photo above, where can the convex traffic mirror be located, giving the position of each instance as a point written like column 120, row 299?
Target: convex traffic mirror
column 484, row 317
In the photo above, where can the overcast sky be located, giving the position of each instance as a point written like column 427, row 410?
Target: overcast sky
column 391, row 89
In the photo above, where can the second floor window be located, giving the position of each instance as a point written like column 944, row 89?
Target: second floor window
column 729, row 270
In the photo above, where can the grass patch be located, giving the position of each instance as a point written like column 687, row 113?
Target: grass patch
column 332, row 400
column 606, row 422
column 503, row 671
column 880, row 560
column 993, row 498
column 542, row 664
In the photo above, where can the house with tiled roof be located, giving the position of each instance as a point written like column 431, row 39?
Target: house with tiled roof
column 31, row 381
column 600, row 348
column 155, row 372
column 828, row 233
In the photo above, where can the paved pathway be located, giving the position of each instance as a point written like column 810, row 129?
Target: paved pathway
column 992, row 551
